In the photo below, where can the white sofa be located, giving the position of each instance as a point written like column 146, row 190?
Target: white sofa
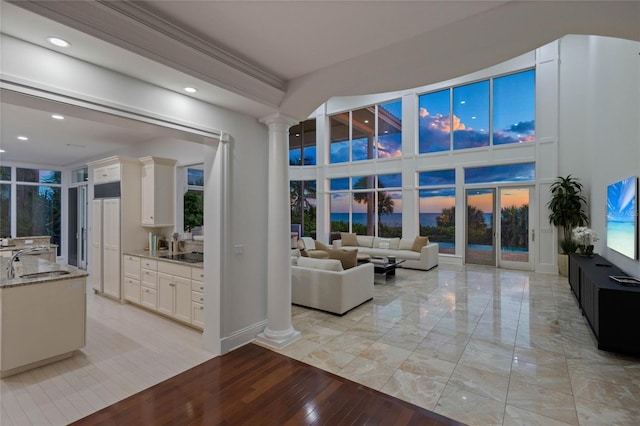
column 425, row 259
column 323, row 284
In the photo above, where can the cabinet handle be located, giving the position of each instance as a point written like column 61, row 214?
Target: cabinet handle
column 201, row 299
column 201, row 288
column 201, row 307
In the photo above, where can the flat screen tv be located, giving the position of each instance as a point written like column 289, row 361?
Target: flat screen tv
column 622, row 217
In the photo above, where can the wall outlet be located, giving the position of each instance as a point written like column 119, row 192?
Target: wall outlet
column 239, row 249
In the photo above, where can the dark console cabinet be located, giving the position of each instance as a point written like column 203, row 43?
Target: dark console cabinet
column 611, row 309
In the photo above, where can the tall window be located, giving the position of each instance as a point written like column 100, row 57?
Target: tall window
column 5, row 201
column 367, row 205
column 193, row 199
column 438, row 208
column 460, row 118
column 366, row 133
column 302, row 144
column 302, row 198
column 38, row 204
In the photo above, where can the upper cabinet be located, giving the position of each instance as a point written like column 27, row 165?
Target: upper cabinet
column 158, row 191
column 105, row 174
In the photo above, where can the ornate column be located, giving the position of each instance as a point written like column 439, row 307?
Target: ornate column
column 279, row 331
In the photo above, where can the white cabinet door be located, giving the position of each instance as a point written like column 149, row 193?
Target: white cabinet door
column 148, row 195
column 197, row 314
column 96, row 246
column 111, row 247
column 165, row 293
column 182, row 288
column 132, row 290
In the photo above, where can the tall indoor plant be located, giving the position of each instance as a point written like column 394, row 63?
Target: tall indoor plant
column 567, row 209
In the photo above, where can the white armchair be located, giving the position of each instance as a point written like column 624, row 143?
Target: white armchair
column 314, row 285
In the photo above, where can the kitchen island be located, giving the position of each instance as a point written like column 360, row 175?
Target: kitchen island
column 42, row 313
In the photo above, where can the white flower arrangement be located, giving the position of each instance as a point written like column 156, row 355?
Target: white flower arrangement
column 585, row 237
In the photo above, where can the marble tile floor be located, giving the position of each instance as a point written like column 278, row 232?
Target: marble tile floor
column 480, row 345
column 483, row 346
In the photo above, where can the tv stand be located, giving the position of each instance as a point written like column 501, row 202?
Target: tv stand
column 611, row 309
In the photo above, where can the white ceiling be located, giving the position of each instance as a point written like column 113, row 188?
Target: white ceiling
column 259, row 57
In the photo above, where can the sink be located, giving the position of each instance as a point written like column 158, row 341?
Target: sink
column 45, row 274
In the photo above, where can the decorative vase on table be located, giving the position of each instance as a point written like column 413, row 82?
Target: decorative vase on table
column 585, row 238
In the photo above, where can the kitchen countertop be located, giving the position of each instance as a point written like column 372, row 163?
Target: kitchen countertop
column 33, row 264
column 24, row 246
column 157, row 256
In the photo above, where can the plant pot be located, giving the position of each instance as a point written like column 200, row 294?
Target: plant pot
column 563, row 265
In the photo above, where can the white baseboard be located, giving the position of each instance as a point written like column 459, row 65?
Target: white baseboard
column 242, row 337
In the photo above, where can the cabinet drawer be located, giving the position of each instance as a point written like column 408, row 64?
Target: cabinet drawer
column 149, row 278
column 197, row 286
column 196, row 296
column 197, row 274
column 174, row 269
column 149, row 297
column 132, row 266
column 132, row 290
column 197, row 314
column 149, row 264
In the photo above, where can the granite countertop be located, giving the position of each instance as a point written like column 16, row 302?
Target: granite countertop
column 158, row 256
column 31, row 265
column 21, row 246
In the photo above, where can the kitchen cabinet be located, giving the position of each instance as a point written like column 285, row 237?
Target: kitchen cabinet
column 105, row 174
column 114, row 226
column 149, row 284
column 131, row 266
column 173, row 289
column 158, row 177
column 174, row 296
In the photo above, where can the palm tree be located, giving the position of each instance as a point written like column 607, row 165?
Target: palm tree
column 385, row 202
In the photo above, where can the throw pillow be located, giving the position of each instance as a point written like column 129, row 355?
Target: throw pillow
column 405, row 244
column 321, row 246
column 303, row 253
column 309, row 243
column 323, row 264
column 348, row 258
column 419, row 242
column 365, row 240
column 349, row 239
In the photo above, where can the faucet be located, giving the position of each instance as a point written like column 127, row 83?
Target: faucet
column 10, row 269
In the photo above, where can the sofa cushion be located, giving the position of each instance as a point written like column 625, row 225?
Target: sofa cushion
column 407, row 255
column 348, row 258
column 419, row 242
column 364, row 240
column 386, row 243
column 405, row 244
column 349, row 239
column 324, row 264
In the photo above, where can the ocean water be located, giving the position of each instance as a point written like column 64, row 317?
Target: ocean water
column 621, row 237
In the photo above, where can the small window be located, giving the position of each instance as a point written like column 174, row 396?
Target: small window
column 434, row 121
column 436, row 178
column 38, row 176
column 514, row 108
column 80, row 175
column 5, row 173
column 525, row 172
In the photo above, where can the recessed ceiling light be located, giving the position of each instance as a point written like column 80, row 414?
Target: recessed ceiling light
column 190, row 89
column 57, row 117
column 2, row 150
column 463, row 102
column 23, row 138
column 58, row 42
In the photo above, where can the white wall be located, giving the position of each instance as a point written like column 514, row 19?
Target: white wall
column 242, row 288
column 600, row 122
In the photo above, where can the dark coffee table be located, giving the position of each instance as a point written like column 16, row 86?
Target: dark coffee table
column 385, row 266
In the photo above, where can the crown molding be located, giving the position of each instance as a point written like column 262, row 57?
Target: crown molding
column 129, row 26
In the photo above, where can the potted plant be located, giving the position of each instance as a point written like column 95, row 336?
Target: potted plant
column 566, row 212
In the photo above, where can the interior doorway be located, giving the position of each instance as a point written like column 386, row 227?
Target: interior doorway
column 499, row 227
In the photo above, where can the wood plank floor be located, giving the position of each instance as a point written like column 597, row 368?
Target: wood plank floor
column 255, row 386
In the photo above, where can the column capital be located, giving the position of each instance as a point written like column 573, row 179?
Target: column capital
column 278, row 118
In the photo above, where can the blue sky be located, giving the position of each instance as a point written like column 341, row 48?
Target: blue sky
column 621, row 201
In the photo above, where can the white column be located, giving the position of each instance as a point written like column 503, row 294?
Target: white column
column 279, row 331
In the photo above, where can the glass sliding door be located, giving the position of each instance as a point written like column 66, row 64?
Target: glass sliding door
column 480, row 226
column 515, row 223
